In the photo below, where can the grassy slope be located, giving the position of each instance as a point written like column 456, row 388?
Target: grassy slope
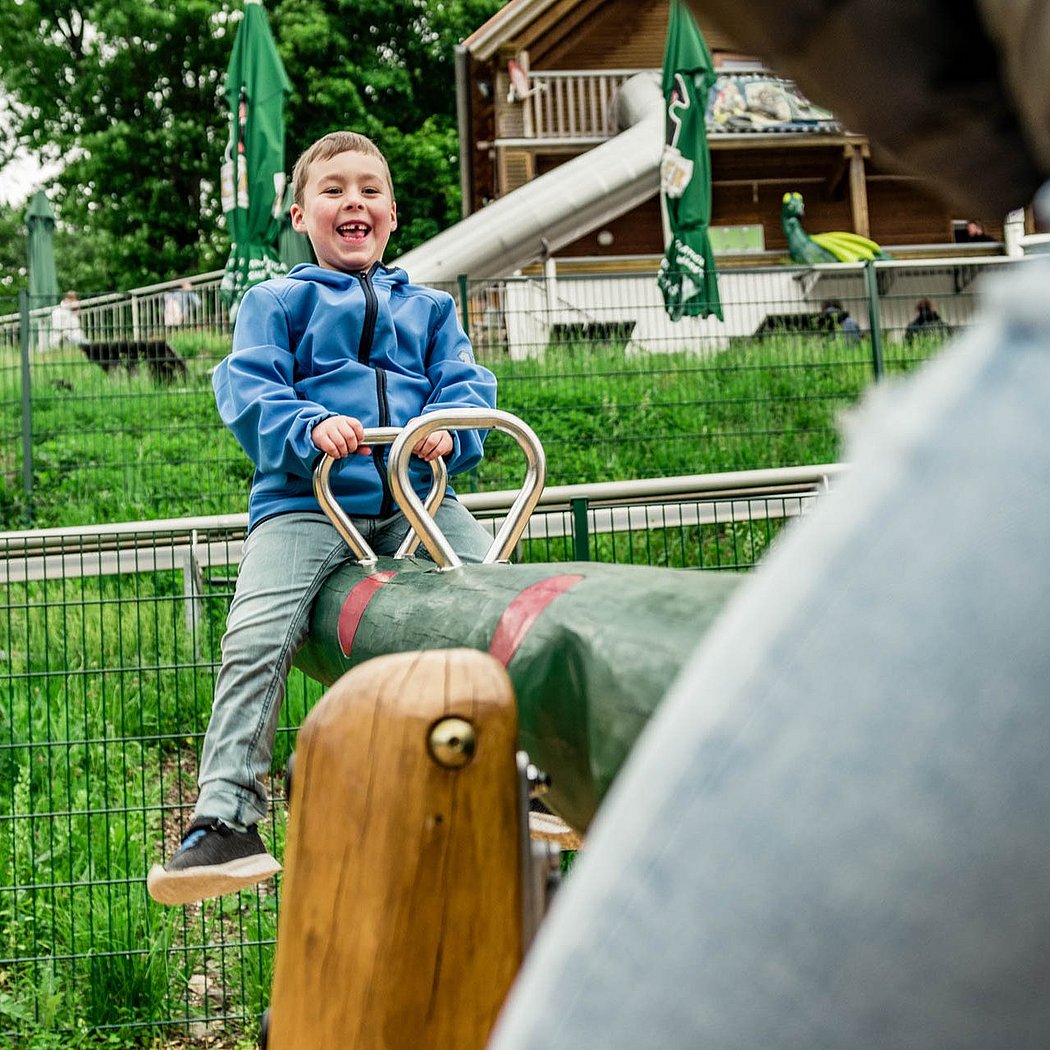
column 109, row 447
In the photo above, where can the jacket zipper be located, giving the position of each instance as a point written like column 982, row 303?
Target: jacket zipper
column 368, row 329
column 364, row 354
column 379, row 453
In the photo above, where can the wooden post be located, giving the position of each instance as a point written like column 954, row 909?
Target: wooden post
column 401, row 911
column 858, row 190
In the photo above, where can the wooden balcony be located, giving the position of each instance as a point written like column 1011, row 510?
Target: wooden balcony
column 572, row 108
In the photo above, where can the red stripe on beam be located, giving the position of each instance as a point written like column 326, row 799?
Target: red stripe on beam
column 354, row 606
column 522, row 613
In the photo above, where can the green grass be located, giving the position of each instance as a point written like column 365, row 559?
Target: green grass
column 114, row 447
column 724, row 545
column 108, row 697
column 603, row 416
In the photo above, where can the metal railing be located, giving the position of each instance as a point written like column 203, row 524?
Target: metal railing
column 577, row 512
column 136, row 315
column 579, row 106
column 573, row 105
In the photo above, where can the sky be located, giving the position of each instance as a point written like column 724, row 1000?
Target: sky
column 23, row 175
column 20, row 178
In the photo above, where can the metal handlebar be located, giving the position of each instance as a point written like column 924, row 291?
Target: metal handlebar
column 422, row 526
column 344, row 524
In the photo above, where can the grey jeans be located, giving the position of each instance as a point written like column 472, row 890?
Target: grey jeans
column 286, row 560
column 836, row 830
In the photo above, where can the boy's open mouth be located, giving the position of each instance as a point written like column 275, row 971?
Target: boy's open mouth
column 354, row 230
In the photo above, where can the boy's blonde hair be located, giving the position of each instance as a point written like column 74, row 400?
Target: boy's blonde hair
column 330, row 145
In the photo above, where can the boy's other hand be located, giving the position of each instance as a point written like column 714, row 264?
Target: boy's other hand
column 340, row 436
column 438, row 443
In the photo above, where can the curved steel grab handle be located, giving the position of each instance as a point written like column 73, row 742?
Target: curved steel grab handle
column 342, row 521
column 467, row 419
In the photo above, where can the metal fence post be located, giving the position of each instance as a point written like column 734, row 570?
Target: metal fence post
column 24, row 334
column 871, row 283
column 581, row 538
column 464, row 303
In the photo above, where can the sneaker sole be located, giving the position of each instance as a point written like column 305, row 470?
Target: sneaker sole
column 216, row 880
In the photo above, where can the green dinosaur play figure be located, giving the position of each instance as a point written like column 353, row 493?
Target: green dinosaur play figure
column 839, row 246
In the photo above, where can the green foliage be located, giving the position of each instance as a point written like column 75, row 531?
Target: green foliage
column 385, row 69
column 111, row 693
column 14, row 273
column 115, row 444
column 425, row 167
column 128, row 973
column 129, row 98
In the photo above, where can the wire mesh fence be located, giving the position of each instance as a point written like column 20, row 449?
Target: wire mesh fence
column 109, row 638
column 109, row 669
column 109, row 642
column 115, row 419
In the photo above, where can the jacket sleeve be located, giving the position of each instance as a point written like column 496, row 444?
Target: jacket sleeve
column 457, row 381
column 255, row 394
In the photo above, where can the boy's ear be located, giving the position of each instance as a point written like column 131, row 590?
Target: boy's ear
column 298, row 221
column 393, row 215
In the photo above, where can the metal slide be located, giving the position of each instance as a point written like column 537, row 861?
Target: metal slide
column 557, row 208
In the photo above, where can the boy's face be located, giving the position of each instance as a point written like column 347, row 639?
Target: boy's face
column 348, row 211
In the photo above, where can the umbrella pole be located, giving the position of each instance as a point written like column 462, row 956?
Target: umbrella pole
column 24, row 341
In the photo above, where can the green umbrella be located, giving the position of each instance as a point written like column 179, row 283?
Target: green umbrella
column 40, row 247
column 293, row 247
column 253, row 176
column 687, row 275
column 40, row 224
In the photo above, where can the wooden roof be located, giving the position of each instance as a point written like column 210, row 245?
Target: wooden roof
column 553, row 30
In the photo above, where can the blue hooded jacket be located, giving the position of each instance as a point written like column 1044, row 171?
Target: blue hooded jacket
column 319, row 343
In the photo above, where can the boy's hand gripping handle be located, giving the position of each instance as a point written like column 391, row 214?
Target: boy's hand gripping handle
column 344, row 523
column 420, row 516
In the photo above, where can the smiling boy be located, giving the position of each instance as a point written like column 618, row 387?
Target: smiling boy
column 347, row 238
column 318, row 356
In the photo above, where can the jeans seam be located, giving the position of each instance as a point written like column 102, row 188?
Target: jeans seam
column 278, row 680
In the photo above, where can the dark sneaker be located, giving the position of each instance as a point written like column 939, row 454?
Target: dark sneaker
column 212, row 861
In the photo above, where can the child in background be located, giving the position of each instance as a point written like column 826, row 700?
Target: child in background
column 65, row 323
column 925, row 322
column 318, row 356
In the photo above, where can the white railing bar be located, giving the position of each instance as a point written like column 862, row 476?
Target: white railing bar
column 584, row 74
column 684, row 487
column 681, row 487
column 550, row 523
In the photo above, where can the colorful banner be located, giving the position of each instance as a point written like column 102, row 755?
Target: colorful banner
column 252, row 178
column 687, row 276
column 742, row 103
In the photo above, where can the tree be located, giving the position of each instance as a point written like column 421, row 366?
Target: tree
column 14, row 274
column 385, row 68
column 129, row 95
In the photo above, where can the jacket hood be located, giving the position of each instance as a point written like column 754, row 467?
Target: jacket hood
column 388, row 275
